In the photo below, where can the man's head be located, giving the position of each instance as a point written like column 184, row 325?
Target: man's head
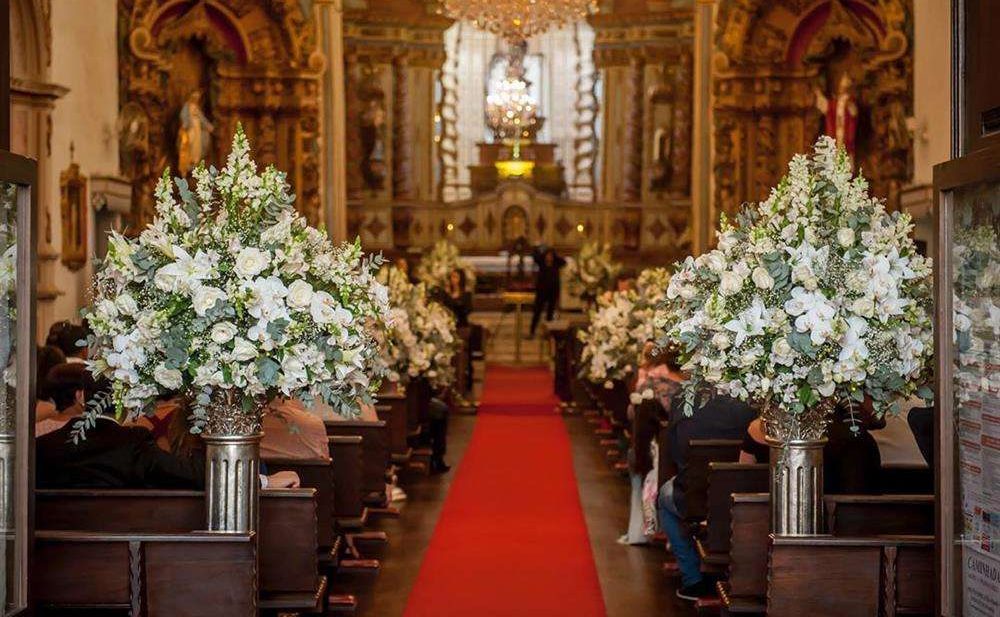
column 71, row 386
column 67, row 336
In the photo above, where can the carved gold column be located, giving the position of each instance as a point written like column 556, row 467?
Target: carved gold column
column 702, row 214
column 334, row 119
column 352, row 108
column 632, row 175
column 402, row 132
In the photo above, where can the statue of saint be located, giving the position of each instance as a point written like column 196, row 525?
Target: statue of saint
column 841, row 113
column 194, row 138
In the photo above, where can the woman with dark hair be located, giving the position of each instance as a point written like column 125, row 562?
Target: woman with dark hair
column 457, row 298
column 657, row 383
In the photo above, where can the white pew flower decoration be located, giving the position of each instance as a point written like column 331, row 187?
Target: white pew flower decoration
column 231, row 298
column 619, row 328
column 422, row 339
column 817, row 296
column 593, row 271
column 436, row 266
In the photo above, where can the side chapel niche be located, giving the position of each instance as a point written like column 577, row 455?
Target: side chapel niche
column 192, row 69
column 787, row 71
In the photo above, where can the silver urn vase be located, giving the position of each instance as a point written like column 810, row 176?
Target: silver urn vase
column 232, row 465
column 796, row 442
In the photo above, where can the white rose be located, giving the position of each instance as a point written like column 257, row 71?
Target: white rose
column 251, row 261
column 243, row 350
column 223, row 332
column 169, row 378
column 127, row 304
column 762, row 278
column 721, row 340
column 324, row 308
column 715, row 261
column 845, row 237
column 730, row 283
column 781, row 348
column 300, row 294
column 205, row 297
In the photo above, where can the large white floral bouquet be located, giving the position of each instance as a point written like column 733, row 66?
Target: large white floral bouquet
column 593, row 271
column 437, row 265
column 230, row 295
column 818, row 296
column 422, row 340
column 620, row 327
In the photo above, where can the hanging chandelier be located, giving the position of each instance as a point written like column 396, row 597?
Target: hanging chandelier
column 517, row 20
column 511, row 112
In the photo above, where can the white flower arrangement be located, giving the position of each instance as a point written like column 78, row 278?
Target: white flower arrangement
column 230, row 294
column 976, row 284
column 436, row 266
column 423, row 339
column 620, row 327
column 818, row 296
column 593, row 271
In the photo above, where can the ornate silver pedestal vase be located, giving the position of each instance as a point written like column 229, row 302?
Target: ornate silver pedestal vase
column 232, row 468
column 796, row 443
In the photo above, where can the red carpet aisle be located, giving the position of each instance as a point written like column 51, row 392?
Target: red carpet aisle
column 511, row 539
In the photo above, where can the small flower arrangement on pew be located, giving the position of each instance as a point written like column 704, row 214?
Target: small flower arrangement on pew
column 435, row 267
column 422, row 338
column 593, row 271
column 230, row 298
column 620, row 327
column 817, row 296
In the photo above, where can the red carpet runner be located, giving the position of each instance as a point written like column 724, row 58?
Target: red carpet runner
column 511, row 539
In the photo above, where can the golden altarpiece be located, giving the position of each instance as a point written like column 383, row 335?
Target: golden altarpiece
column 192, row 69
column 786, row 70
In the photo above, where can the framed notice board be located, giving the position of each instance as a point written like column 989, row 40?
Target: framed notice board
column 967, row 353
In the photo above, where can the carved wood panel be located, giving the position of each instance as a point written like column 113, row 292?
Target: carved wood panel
column 252, row 61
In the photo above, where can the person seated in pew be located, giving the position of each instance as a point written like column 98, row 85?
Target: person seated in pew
column 110, row 455
column 47, row 418
column 658, row 380
column 719, row 418
column 291, row 432
column 851, row 461
column 897, row 446
column 921, row 421
column 68, row 336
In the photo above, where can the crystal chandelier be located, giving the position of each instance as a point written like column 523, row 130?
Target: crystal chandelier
column 511, row 112
column 516, row 20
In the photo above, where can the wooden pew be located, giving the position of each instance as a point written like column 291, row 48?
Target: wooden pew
column 287, row 541
column 856, row 515
column 199, row 574
column 391, row 408
column 349, row 510
column 744, row 590
column 316, row 474
column 701, row 453
column 724, row 479
column 374, row 455
column 887, row 575
column 869, row 515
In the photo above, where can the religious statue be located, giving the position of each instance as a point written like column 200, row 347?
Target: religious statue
column 841, row 113
column 661, row 167
column 373, row 134
column 194, row 138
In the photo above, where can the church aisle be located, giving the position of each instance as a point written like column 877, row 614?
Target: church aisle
column 512, row 538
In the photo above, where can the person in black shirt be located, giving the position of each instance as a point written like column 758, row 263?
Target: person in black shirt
column 457, row 298
column 110, row 455
column 719, row 418
column 546, row 284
